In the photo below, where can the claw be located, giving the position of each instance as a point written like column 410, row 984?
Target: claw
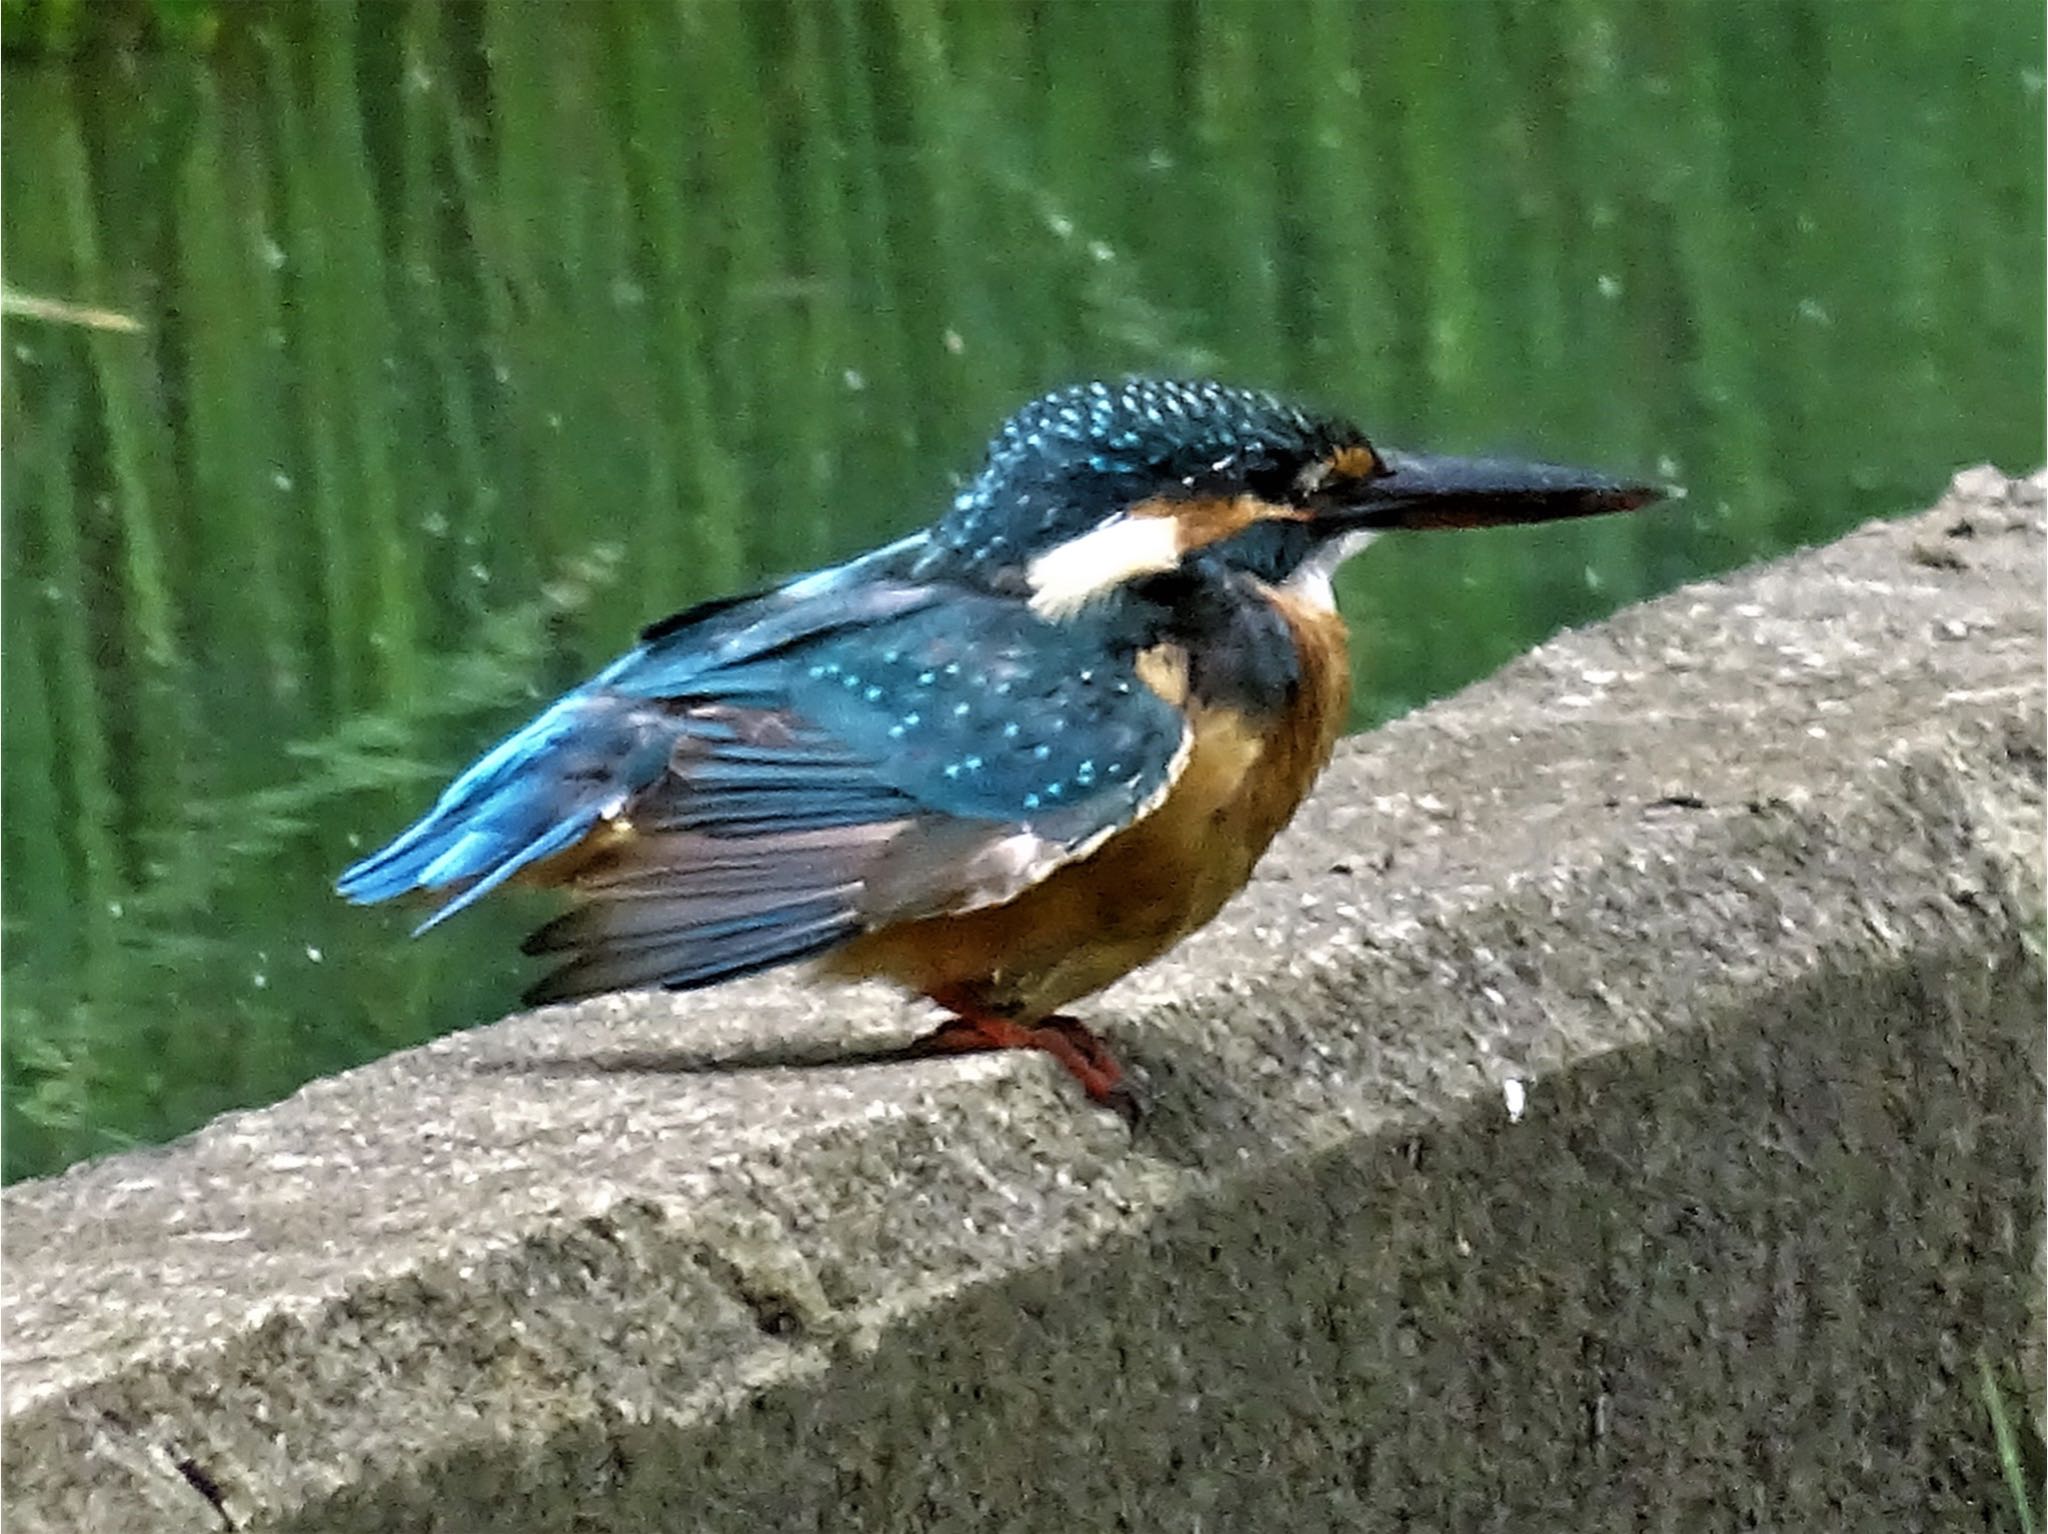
column 1085, row 1056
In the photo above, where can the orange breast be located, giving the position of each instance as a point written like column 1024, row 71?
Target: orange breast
column 1146, row 887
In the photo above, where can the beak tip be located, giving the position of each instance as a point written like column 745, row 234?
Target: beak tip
column 1632, row 497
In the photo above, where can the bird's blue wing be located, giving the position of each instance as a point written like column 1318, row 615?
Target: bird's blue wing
column 799, row 770
column 548, row 785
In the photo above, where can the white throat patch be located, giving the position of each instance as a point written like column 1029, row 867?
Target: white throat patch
column 1066, row 578
column 1311, row 580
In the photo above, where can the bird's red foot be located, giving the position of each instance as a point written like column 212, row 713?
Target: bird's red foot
column 1085, row 1056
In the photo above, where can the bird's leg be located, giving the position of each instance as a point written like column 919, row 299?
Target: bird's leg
column 1066, row 1039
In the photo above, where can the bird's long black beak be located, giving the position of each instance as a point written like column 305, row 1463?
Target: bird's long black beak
column 1421, row 490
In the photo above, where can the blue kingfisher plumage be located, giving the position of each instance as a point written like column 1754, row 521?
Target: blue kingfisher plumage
column 1001, row 761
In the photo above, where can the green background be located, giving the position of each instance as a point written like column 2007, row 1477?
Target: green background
column 469, row 337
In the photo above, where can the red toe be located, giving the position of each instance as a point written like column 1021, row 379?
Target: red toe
column 1086, row 1058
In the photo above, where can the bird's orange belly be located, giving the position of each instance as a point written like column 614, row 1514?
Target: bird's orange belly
column 1144, row 888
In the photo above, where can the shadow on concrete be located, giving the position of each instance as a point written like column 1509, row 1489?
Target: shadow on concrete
column 787, row 1055
column 1191, row 1114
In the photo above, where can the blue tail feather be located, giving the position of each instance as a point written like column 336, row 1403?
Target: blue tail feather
column 539, row 792
column 560, row 839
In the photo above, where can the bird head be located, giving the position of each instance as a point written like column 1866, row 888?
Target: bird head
column 1089, row 489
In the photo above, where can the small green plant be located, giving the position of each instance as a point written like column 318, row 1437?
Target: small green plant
column 2011, row 1459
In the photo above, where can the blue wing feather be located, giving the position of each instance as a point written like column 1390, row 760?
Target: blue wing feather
column 764, row 753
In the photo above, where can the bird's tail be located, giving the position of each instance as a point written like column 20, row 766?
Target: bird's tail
column 539, row 793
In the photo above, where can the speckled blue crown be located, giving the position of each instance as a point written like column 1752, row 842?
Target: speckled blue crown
column 1069, row 458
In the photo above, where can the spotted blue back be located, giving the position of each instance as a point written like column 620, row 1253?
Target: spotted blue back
column 976, row 709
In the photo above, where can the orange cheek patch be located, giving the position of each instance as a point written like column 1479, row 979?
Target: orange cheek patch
column 1355, row 462
column 1199, row 523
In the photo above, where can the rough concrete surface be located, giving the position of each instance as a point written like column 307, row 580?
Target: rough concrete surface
column 1617, row 1105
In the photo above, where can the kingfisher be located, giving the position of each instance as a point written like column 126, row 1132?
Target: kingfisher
column 999, row 762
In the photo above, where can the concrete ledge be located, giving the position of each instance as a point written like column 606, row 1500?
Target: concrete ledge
column 1618, row 1105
